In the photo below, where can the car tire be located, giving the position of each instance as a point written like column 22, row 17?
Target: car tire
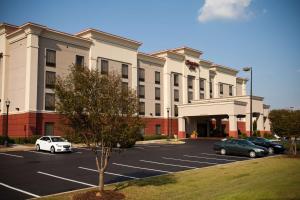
column 252, row 154
column 37, row 147
column 223, row 152
column 52, row 149
column 271, row 150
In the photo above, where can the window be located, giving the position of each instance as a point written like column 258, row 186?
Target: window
column 210, row 89
column 230, row 90
column 124, row 86
column 157, row 129
column 142, row 108
column 157, row 93
column 202, row 84
column 49, row 101
column 124, row 71
column 176, row 95
column 221, row 88
column 79, row 61
column 48, row 130
column 176, row 80
column 50, row 58
column 190, row 82
column 190, row 96
column 142, row 91
column 176, row 110
column 202, row 96
column 50, row 79
column 141, row 75
column 157, row 109
column 104, row 66
column 157, row 77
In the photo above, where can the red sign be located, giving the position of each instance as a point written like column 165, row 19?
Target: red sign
column 191, row 65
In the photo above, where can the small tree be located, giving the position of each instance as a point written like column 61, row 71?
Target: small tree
column 286, row 123
column 99, row 109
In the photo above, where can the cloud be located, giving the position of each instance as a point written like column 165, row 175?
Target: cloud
column 224, row 10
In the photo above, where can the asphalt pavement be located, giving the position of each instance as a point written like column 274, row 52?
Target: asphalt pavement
column 28, row 174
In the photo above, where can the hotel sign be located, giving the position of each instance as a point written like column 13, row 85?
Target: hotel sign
column 192, row 65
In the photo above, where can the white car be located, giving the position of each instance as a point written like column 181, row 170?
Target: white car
column 53, row 144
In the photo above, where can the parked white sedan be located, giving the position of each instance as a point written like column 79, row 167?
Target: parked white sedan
column 53, row 144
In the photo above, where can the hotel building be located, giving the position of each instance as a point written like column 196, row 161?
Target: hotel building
column 178, row 91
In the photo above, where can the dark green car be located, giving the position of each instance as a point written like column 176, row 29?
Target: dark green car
column 239, row 147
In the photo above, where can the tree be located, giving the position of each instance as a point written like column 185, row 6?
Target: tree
column 99, row 109
column 286, row 123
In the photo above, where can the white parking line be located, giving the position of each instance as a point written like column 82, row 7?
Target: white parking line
column 78, row 152
column 159, row 163
column 130, row 166
column 11, row 155
column 110, row 173
column 66, row 179
column 208, row 158
column 19, row 190
column 192, row 161
column 138, row 147
column 151, row 146
column 44, row 153
column 211, row 154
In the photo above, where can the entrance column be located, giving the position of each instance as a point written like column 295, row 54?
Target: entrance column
column 260, row 123
column 181, row 127
column 248, row 124
column 233, row 126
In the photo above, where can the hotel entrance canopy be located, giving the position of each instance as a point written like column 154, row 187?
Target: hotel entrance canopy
column 233, row 107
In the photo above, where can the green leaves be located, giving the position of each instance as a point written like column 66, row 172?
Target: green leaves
column 98, row 107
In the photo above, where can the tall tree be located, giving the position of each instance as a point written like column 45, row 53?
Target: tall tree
column 101, row 110
column 286, row 123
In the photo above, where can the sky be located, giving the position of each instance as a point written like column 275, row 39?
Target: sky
column 262, row 34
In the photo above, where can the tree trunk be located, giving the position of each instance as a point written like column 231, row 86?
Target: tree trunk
column 101, row 180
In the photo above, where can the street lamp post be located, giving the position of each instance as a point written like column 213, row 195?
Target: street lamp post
column 246, row 69
column 7, row 103
column 168, row 110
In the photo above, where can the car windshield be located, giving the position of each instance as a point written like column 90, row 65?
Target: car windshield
column 58, row 139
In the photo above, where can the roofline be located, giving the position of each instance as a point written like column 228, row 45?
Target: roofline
column 109, row 34
column 206, row 61
column 167, row 51
column 48, row 29
column 189, row 48
column 225, row 67
column 241, row 78
column 152, row 56
column 7, row 24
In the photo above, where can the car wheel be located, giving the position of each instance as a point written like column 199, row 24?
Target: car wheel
column 37, row 147
column 223, row 151
column 271, row 150
column 252, row 154
column 52, row 149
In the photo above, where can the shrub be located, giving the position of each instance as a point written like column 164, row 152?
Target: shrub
column 155, row 137
column 3, row 138
column 256, row 134
column 243, row 135
column 268, row 136
column 27, row 140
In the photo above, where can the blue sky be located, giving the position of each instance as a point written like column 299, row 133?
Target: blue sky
column 264, row 34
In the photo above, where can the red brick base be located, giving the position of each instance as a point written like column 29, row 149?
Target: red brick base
column 233, row 134
column 28, row 124
column 181, row 134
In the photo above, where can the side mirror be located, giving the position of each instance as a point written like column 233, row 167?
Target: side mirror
column 48, row 141
column 66, row 140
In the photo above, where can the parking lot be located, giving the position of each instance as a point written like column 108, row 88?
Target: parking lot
column 29, row 174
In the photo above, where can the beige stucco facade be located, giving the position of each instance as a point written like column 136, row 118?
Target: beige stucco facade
column 189, row 86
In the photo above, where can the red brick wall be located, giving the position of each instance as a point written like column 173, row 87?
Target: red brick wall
column 241, row 126
column 150, row 124
column 27, row 124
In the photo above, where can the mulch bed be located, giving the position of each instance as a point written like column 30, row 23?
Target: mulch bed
column 106, row 195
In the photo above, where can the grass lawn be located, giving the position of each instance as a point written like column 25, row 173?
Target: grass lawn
column 269, row 178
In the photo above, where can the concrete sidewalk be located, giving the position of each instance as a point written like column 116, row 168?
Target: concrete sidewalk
column 17, row 147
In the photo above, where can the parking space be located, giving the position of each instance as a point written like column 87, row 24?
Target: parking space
column 28, row 174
